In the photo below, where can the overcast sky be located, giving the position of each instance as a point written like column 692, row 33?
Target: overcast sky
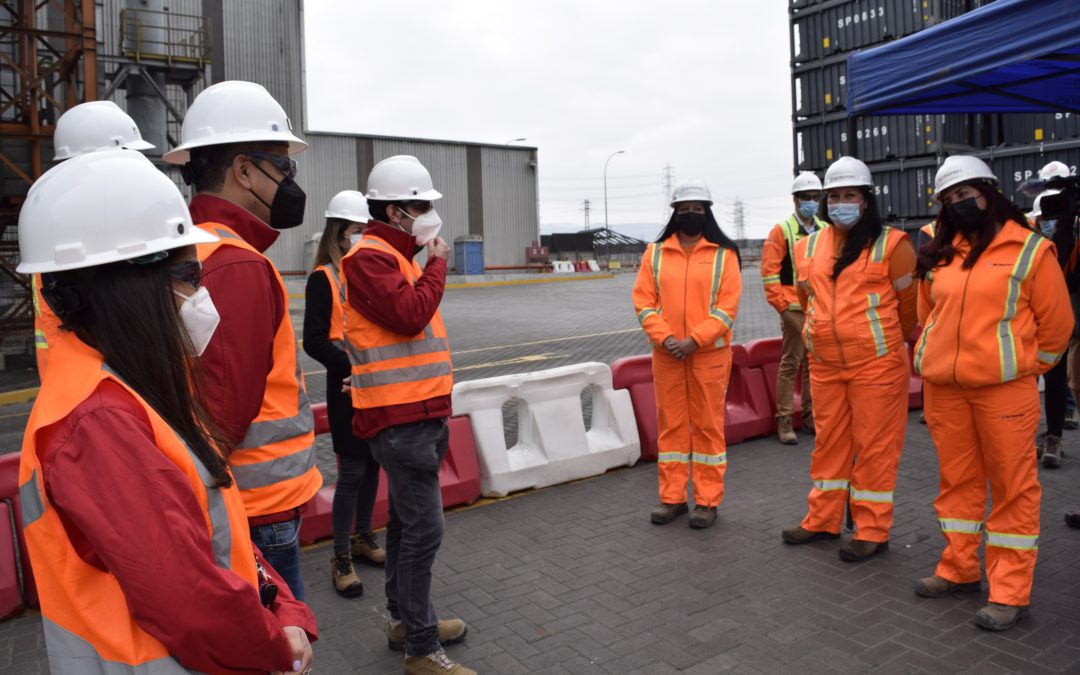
column 701, row 85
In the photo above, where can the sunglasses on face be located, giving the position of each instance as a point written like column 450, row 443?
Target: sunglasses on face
column 418, row 206
column 286, row 165
column 187, row 271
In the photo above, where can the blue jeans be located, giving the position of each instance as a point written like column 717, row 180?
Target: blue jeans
column 411, row 454
column 280, row 545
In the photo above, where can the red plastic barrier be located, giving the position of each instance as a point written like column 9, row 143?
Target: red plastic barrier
column 11, row 602
column 634, row 373
column 764, row 355
column 748, row 412
column 459, row 481
column 9, row 492
column 322, row 421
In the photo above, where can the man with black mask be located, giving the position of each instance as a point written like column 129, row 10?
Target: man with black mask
column 236, row 147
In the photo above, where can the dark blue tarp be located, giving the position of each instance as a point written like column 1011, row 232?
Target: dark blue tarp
column 1010, row 56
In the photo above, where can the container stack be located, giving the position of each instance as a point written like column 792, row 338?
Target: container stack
column 903, row 151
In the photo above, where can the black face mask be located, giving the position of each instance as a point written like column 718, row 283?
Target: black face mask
column 966, row 215
column 691, row 224
column 287, row 208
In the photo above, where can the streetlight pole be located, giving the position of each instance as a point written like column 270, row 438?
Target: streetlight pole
column 617, row 152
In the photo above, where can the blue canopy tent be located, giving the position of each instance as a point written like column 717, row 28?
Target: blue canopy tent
column 1011, row 56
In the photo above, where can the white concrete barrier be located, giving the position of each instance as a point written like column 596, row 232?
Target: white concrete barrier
column 562, row 267
column 594, row 266
column 553, row 445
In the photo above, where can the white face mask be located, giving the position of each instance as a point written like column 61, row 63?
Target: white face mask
column 354, row 239
column 425, row 227
column 199, row 317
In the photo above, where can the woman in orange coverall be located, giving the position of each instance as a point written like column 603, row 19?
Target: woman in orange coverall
column 855, row 281
column 997, row 314
column 686, row 297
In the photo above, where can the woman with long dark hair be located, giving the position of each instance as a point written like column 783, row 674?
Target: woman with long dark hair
column 686, row 297
column 324, row 341
column 996, row 313
column 855, row 281
column 135, row 527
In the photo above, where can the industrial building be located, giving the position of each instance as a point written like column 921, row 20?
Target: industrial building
column 904, row 151
column 152, row 57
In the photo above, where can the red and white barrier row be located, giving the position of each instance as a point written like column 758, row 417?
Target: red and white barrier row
column 538, row 459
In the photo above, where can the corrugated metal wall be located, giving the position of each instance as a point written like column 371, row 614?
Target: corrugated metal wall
column 510, row 198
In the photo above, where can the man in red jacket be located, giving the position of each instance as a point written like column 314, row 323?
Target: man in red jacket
column 401, row 381
column 236, row 142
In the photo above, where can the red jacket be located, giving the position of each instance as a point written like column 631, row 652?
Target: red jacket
column 246, row 294
column 381, row 293
column 214, row 624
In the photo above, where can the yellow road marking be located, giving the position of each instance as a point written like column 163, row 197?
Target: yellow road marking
column 18, row 396
column 509, row 362
column 520, row 282
column 544, row 342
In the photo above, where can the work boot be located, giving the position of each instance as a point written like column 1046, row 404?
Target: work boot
column 1072, row 420
column 922, row 417
column 936, row 587
column 858, row 550
column 1052, row 451
column 784, row 431
column 808, row 423
column 797, row 535
column 365, row 548
column 435, row 663
column 451, row 632
column 346, row 583
column 1040, row 444
column 999, row 617
column 665, row 513
column 702, row 517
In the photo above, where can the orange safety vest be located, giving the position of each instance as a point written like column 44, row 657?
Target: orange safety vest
column 855, row 318
column 274, row 464
column 389, row 368
column 46, row 326
column 88, row 626
column 778, row 262
column 685, row 293
column 337, row 330
column 982, row 328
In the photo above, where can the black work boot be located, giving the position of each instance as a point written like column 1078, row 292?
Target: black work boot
column 999, row 617
column 702, row 517
column 665, row 513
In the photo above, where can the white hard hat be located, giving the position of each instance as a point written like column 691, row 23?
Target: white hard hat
column 233, row 112
column 1036, row 210
column 691, row 190
column 806, row 181
column 1054, row 169
column 401, row 177
column 102, row 207
column 349, row 205
column 961, row 169
column 93, row 126
column 848, row 172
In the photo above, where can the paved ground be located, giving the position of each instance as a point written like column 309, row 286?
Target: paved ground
column 573, row 579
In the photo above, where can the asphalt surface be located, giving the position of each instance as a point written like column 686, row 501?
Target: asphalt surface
column 574, row 579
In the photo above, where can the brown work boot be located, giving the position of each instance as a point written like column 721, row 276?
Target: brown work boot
column 435, row 663
column 936, row 587
column 797, row 535
column 346, row 583
column 702, row 517
column 365, row 548
column 999, row 617
column 1052, row 451
column 451, row 632
column 858, row 550
column 808, row 423
column 665, row 513
column 785, row 433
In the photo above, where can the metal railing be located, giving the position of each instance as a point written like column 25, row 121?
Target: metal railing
column 148, row 35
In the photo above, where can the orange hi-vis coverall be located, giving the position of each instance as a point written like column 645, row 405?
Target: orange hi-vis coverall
column 778, row 277
column 855, row 328
column 989, row 332
column 690, row 293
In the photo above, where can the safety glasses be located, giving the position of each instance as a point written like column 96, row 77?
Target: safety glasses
column 420, row 207
column 287, row 165
column 188, row 271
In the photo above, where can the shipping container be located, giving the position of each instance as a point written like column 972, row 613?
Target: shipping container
column 821, row 88
column 877, row 138
column 905, row 192
column 821, row 29
column 1013, row 169
column 1020, row 129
